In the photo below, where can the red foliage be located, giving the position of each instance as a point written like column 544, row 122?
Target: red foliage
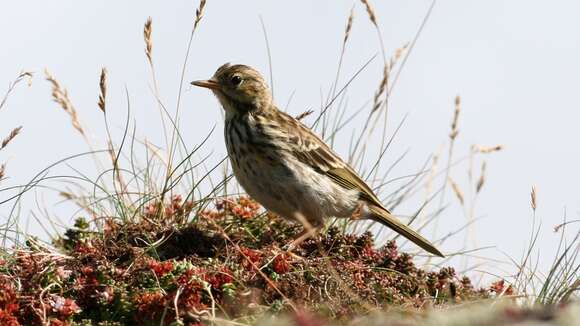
column 217, row 279
column 89, row 277
column 255, row 256
column 150, row 305
column 161, row 268
column 244, row 208
column 281, row 264
column 190, row 297
column 8, row 304
column 499, row 288
column 58, row 322
column 8, row 319
column 64, row 307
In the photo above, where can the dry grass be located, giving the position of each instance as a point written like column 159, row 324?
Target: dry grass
column 15, row 131
column 147, row 30
column 347, row 31
column 199, row 14
column 10, row 137
column 26, row 75
column 481, row 180
column 452, row 136
column 457, row 191
column 534, row 199
column 60, row 96
column 454, row 123
column 103, row 90
column 304, row 114
column 371, row 12
column 348, row 28
column 488, row 149
column 377, row 102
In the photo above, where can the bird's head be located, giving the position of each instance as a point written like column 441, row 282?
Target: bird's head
column 239, row 88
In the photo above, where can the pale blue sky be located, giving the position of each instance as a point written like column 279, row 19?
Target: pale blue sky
column 514, row 63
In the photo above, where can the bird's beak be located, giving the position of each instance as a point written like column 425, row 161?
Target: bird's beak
column 210, row 83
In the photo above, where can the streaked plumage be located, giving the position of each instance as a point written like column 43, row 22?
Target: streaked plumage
column 285, row 166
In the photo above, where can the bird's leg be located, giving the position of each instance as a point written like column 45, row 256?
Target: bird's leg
column 302, row 236
column 308, row 232
column 358, row 212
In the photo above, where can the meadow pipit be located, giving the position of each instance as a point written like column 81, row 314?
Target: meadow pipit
column 287, row 168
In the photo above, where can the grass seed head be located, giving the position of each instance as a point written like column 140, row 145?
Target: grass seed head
column 304, row 114
column 481, row 180
column 60, row 96
column 147, row 30
column 377, row 102
column 489, row 149
column 348, row 26
column 199, row 14
column 534, row 198
column 454, row 130
column 103, row 89
column 10, row 137
column 371, row 12
column 457, row 191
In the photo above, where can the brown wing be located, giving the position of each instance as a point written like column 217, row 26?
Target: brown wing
column 310, row 149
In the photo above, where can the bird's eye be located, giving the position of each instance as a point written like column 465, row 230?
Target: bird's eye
column 236, row 80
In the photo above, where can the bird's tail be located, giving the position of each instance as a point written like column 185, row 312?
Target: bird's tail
column 383, row 216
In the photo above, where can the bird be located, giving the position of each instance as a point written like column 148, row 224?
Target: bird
column 285, row 166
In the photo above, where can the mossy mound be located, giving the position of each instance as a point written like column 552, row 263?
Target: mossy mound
column 227, row 264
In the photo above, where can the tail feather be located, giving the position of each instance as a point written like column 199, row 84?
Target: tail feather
column 383, row 216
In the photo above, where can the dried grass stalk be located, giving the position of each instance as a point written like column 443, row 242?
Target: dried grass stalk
column 481, row 180
column 157, row 152
column 147, row 30
column 371, row 12
column 199, row 14
column 454, row 130
column 79, row 201
column 534, row 200
column 457, row 191
column 10, row 137
column 377, row 102
column 304, row 114
column 66, row 195
column 60, row 96
column 432, row 173
column 103, row 89
column 25, row 74
column 348, row 26
column 2, row 171
column 399, row 52
column 117, row 171
column 490, row 149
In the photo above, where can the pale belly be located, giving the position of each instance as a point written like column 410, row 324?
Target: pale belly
column 287, row 187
